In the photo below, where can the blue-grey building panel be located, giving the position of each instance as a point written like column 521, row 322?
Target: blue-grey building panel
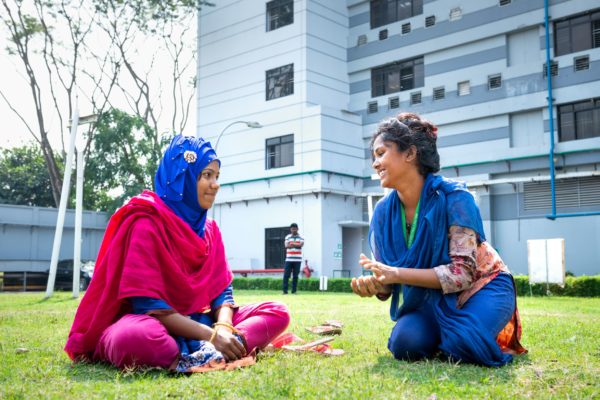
column 468, row 60
column 27, row 236
column 359, row 19
column 443, row 28
column 452, row 64
column 505, row 206
column 473, row 137
column 574, row 159
column 522, row 85
column 360, row 86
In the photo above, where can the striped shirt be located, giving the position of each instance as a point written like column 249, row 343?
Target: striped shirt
column 293, row 254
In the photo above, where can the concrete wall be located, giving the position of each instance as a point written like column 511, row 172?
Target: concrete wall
column 27, row 236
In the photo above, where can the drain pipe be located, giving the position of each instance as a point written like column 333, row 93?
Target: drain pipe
column 554, row 215
column 550, row 110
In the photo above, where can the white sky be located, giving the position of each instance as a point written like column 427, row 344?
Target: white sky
column 13, row 84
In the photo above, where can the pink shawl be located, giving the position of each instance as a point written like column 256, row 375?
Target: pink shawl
column 149, row 251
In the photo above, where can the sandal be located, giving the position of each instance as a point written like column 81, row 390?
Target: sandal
column 329, row 327
column 320, row 346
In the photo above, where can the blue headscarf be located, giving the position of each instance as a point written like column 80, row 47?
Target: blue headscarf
column 443, row 203
column 176, row 178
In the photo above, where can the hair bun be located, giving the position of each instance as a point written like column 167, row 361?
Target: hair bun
column 416, row 123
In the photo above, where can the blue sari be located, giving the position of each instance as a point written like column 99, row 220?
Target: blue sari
column 443, row 203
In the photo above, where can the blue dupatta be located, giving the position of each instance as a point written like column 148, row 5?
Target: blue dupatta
column 443, row 203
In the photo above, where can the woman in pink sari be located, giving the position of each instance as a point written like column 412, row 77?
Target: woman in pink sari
column 161, row 295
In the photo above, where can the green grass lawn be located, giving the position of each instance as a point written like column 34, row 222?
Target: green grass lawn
column 562, row 335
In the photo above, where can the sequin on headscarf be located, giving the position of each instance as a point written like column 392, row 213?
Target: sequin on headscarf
column 176, row 178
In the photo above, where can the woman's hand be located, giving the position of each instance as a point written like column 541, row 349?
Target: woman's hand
column 384, row 274
column 367, row 286
column 228, row 344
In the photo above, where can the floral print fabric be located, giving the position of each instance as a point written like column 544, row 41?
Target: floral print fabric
column 473, row 265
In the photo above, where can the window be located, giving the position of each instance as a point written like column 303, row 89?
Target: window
column 383, row 34
column 279, row 152
column 504, row 2
column 361, row 40
column 279, row 13
column 439, row 93
column 387, row 11
column 464, row 88
column 455, row 13
column 406, row 28
column 553, row 68
column 430, row 21
column 275, row 247
column 280, row 82
column 393, row 102
column 415, row 98
column 494, row 81
column 577, row 33
column 570, row 193
column 579, row 120
column 396, row 77
column 372, row 107
column 581, row 63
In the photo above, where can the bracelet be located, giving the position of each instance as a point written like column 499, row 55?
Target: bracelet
column 213, row 336
column 226, row 325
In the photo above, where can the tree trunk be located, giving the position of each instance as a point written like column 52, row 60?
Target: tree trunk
column 53, row 172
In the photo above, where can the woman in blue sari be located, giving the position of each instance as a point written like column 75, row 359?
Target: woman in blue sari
column 427, row 240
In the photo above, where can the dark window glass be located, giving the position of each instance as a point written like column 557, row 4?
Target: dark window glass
column 579, row 120
column 279, row 13
column 596, row 30
column 577, row 33
column 387, row 11
column 397, row 77
column 280, row 82
column 279, row 152
column 275, row 247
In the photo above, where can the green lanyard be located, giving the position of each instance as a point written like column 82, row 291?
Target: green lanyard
column 413, row 228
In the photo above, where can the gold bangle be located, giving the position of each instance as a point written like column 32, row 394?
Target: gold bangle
column 213, row 336
column 226, row 325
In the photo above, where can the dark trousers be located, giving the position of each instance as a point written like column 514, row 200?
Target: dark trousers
column 291, row 266
column 418, row 333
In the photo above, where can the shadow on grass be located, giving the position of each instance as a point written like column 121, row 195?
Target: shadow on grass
column 102, row 372
column 429, row 370
column 55, row 299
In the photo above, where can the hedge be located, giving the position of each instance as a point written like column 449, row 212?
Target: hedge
column 581, row 286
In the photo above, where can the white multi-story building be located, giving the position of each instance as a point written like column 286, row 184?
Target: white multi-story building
column 318, row 75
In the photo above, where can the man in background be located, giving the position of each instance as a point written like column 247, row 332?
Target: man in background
column 293, row 258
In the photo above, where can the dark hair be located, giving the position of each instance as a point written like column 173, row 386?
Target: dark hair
column 409, row 129
column 294, row 225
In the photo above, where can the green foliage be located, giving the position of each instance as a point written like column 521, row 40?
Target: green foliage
column 148, row 13
column 123, row 158
column 581, row 286
column 24, row 178
column 561, row 334
column 340, row 285
column 30, row 26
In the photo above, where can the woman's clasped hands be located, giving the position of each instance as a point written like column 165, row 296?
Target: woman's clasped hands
column 376, row 284
column 228, row 344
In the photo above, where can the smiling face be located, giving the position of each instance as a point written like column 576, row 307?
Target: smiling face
column 207, row 185
column 392, row 166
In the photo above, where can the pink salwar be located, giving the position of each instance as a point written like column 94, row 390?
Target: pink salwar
column 142, row 340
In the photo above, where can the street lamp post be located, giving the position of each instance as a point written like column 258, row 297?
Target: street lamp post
column 249, row 124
